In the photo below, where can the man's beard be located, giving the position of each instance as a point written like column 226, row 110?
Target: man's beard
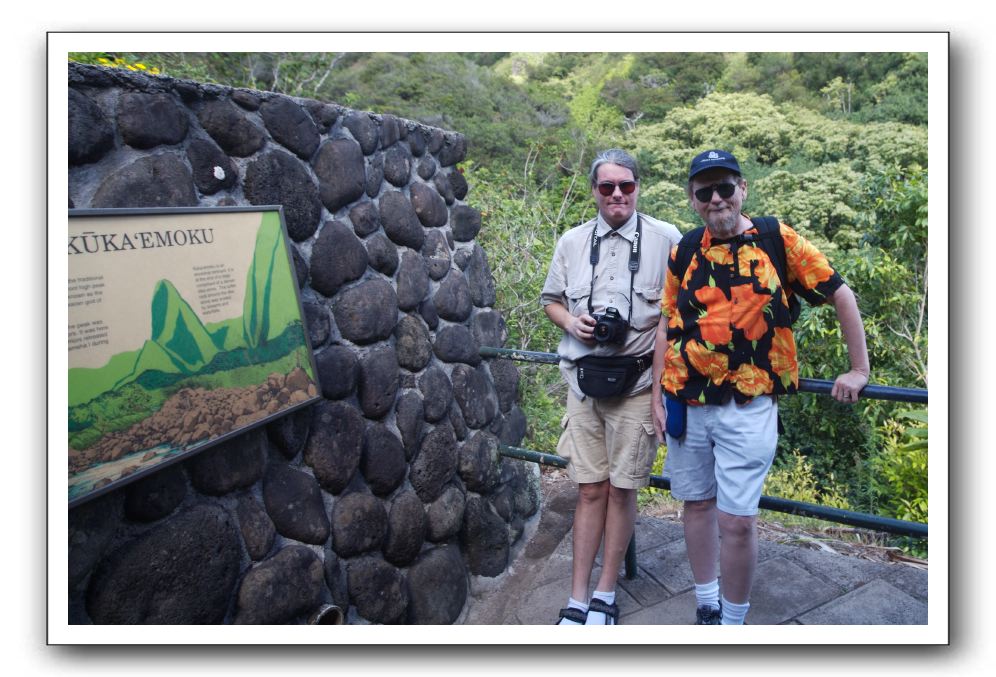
column 724, row 226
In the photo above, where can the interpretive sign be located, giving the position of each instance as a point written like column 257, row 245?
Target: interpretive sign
column 185, row 328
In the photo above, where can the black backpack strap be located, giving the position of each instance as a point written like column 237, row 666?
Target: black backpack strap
column 769, row 237
column 687, row 246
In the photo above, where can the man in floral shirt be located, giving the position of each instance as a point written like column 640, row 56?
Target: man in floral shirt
column 724, row 350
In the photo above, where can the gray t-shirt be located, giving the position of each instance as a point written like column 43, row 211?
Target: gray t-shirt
column 568, row 283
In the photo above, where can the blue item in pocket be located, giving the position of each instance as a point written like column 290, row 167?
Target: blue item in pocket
column 676, row 411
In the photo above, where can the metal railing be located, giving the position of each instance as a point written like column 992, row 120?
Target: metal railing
column 808, row 385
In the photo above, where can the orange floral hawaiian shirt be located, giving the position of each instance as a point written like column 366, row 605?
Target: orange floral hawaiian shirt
column 729, row 328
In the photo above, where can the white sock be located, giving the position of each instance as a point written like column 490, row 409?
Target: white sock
column 707, row 594
column 733, row 614
column 597, row 617
column 573, row 604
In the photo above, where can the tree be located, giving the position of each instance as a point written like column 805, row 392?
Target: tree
column 837, row 94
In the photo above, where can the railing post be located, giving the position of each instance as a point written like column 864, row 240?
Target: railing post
column 631, row 559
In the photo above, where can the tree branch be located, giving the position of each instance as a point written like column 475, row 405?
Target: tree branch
column 336, row 59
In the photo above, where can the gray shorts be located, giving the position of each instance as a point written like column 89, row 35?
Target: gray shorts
column 725, row 454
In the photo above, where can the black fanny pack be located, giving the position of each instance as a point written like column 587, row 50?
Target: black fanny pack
column 600, row 376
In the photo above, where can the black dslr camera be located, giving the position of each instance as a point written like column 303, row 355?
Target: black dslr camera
column 610, row 327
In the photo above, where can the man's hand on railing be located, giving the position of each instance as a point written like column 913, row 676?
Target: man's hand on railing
column 847, row 387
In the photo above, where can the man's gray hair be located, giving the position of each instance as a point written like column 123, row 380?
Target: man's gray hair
column 613, row 156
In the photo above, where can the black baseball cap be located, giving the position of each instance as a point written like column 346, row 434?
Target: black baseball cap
column 711, row 159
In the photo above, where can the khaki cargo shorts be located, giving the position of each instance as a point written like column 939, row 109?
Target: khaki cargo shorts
column 609, row 439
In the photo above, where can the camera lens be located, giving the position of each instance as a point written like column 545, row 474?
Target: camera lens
column 601, row 332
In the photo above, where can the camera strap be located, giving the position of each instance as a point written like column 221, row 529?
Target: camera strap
column 634, row 263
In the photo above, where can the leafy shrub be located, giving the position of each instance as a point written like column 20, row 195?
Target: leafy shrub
column 792, row 477
column 656, row 469
column 126, row 62
column 900, row 467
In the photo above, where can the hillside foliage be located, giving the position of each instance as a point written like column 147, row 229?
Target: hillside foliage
column 834, row 144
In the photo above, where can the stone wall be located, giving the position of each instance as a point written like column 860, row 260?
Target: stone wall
column 388, row 497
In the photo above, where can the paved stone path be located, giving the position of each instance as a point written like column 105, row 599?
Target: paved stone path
column 794, row 584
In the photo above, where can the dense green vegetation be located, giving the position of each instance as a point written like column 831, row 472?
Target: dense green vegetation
column 835, row 144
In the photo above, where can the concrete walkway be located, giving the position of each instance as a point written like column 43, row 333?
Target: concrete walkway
column 794, row 584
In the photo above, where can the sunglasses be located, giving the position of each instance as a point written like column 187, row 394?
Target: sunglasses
column 607, row 188
column 725, row 190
